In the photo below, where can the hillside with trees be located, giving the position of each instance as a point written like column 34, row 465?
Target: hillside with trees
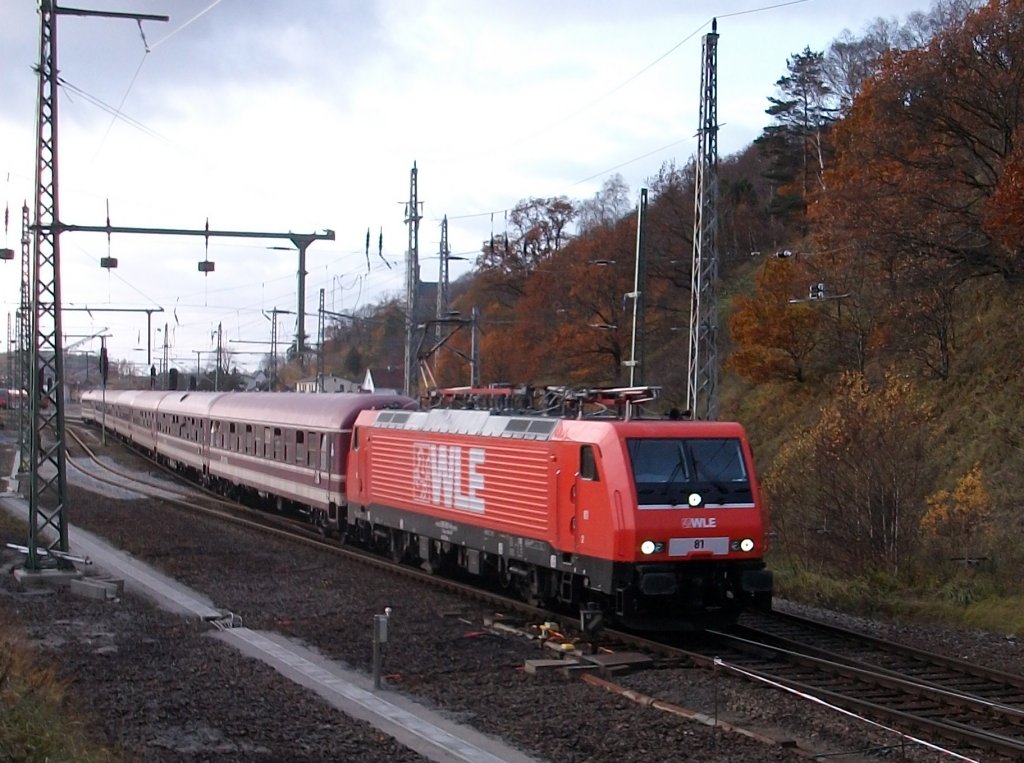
column 871, row 285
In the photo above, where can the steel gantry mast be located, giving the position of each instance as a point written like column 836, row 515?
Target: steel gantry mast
column 412, row 287
column 702, row 372
column 273, row 343
column 25, row 354
column 636, row 353
column 48, row 522
column 442, row 279
column 320, row 343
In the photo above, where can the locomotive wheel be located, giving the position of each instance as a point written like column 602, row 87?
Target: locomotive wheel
column 397, row 550
column 529, row 589
column 504, row 576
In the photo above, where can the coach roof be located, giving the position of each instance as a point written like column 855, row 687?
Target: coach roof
column 188, row 403
column 302, row 410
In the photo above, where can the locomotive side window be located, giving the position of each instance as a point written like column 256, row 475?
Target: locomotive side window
column 323, row 452
column 588, row 463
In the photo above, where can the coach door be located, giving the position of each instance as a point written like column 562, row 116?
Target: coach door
column 323, row 460
column 588, row 494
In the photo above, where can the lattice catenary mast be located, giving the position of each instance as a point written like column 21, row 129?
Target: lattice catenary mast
column 702, row 372
column 48, row 522
column 25, row 343
column 442, row 279
column 412, row 287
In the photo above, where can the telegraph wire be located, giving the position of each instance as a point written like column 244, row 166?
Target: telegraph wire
column 195, row 18
column 116, row 113
column 634, row 159
column 762, row 9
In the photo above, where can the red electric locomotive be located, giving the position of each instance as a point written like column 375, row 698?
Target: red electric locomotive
column 659, row 523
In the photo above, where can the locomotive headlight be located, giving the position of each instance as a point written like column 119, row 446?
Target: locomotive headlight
column 649, row 547
column 694, row 499
column 747, row 544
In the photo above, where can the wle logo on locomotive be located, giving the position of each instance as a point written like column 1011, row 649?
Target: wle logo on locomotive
column 449, row 476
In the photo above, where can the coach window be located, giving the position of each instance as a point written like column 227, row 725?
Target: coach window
column 300, row 446
column 588, row 463
column 248, row 440
column 323, row 452
column 312, row 455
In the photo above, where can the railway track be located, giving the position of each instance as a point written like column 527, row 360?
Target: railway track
column 920, row 693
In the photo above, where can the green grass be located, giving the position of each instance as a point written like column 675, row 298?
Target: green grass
column 35, row 724
column 970, row 601
column 37, row 721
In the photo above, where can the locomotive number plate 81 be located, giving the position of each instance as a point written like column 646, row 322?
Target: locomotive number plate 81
column 687, row 546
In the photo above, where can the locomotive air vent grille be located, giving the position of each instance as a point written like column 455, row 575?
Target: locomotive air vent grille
column 392, row 418
column 529, row 429
column 542, row 427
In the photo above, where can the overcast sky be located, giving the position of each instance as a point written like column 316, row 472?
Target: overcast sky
column 274, row 116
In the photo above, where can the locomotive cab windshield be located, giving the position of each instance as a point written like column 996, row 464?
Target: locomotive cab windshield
column 695, row 472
